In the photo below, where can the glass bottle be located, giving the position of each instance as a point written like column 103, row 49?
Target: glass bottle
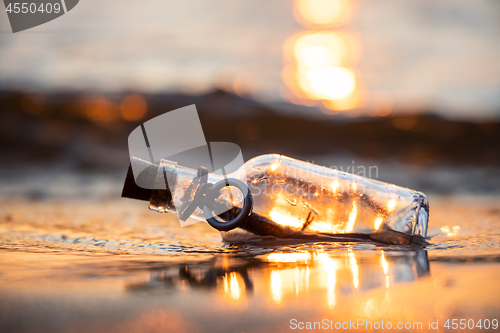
column 291, row 198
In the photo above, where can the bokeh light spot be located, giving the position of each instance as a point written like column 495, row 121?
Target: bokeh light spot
column 133, row 107
column 99, row 109
column 323, row 13
column 331, row 83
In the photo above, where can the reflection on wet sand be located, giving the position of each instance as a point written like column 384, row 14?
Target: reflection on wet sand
column 65, row 274
column 280, row 276
column 235, row 292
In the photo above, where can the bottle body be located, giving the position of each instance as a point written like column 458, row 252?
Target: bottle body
column 292, row 197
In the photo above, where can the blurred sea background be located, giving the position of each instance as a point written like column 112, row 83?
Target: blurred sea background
column 410, row 87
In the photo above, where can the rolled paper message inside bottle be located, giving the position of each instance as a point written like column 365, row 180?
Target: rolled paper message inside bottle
column 288, row 198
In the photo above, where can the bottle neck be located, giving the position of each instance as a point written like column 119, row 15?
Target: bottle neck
column 164, row 187
column 176, row 186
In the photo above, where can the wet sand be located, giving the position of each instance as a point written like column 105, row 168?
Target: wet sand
column 106, row 265
column 75, row 257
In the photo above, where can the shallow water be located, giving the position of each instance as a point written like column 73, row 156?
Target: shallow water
column 73, row 264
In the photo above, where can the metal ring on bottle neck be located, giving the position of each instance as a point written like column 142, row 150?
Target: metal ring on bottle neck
column 243, row 214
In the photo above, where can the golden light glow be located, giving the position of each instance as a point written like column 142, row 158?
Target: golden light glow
column 276, row 287
column 286, row 282
column 319, row 49
column 288, row 257
column 330, row 83
column 327, row 273
column 308, row 272
column 283, row 213
column 354, row 100
column 232, row 289
column 323, row 13
column 285, row 219
column 316, row 56
column 352, row 217
column 378, row 222
column 391, row 205
column 319, row 270
column 335, row 186
column 315, row 69
column 385, row 266
column 296, row 281
column 354, row 186
column 353, row 265
column 330, row 266
column 274, row 166
column 450, row 232
column 384, row 263
column 325, row 226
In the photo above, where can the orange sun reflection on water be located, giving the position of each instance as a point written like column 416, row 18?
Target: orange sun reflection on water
column 331, row 83
column 318, row 62
column 323, row 13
